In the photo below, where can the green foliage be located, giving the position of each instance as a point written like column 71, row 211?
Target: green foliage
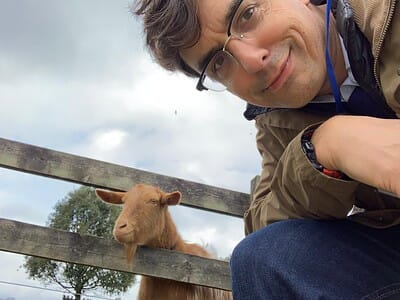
column 81, row 212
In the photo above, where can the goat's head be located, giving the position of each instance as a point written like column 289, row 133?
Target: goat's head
column 143, row 215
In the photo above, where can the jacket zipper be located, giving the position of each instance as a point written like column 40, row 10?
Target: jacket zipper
column 380, row 42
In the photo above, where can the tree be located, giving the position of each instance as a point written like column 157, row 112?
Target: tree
column 81, row 212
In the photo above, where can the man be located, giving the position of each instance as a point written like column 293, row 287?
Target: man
column 286, row 59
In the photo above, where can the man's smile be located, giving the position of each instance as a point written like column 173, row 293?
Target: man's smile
column 284, row 71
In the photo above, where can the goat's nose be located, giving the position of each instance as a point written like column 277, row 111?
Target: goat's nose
column 122, row 225
column 123, row 232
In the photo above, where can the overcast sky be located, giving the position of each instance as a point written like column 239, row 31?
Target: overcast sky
column 75, row 77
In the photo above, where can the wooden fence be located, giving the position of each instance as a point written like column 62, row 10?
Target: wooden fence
column 70, row 247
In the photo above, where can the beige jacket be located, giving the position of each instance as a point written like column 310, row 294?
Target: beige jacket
column 289, row 186
column 380, row 22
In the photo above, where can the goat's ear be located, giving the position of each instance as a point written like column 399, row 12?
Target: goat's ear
column 110, row 197
column 171, row 198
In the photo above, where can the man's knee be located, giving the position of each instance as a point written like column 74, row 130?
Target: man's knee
column 273, row 244
column 264, row 244
column 257, row 262
column 241, row 254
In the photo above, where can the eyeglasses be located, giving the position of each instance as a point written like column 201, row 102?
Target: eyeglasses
column 220, row 68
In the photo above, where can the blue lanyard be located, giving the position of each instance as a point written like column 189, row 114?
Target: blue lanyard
column 329, row 68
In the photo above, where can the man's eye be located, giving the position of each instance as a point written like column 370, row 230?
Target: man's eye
column 247, row 19
column 218, row 63
column 247, row 14
column 219, row 66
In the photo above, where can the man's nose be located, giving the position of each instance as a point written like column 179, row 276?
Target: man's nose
column 252, row 58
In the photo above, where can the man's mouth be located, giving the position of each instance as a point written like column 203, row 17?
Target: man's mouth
column 284, row 71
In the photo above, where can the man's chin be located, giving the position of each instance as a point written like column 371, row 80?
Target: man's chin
column 280, row 103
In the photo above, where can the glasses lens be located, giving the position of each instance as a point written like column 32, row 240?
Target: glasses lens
column 222, row 66
column 247, row 17
column 213, row 85
column 218, row 71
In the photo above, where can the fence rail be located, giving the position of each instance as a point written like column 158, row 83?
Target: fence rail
column 59, row 165
column 71, row 247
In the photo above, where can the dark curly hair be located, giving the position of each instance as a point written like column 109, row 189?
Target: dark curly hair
column 169, row 25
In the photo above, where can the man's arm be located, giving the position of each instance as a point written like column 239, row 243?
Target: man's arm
column 289, row 186
column 365, row 149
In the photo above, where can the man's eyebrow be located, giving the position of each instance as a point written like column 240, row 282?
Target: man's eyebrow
column 206, row 58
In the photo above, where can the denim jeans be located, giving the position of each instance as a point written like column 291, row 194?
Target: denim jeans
column 308, row 259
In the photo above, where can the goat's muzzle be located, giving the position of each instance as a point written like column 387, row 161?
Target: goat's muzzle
column 123, row 232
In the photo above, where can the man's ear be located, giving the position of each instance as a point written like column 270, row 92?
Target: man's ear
column 110, row 197
column 171, row 198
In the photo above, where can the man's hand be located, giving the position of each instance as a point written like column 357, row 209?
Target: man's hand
column 365, row 149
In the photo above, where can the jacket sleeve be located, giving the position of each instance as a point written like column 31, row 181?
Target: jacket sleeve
column 289, row 186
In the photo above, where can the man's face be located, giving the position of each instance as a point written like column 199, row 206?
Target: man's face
column 282, row 65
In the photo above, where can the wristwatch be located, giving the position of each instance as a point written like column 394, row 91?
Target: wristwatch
column 309, row 150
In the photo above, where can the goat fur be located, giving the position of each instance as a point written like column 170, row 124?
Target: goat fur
column 145, row 220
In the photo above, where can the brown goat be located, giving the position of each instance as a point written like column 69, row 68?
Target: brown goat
column 145, row 220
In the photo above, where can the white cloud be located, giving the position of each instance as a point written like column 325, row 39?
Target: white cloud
column 109, row 140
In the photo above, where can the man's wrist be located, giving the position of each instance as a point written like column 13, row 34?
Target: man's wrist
column 309, row 150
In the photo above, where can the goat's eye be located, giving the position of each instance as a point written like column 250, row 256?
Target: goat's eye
column 153, row 202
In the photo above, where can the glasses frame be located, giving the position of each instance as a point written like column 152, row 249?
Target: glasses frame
column 199, row 86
